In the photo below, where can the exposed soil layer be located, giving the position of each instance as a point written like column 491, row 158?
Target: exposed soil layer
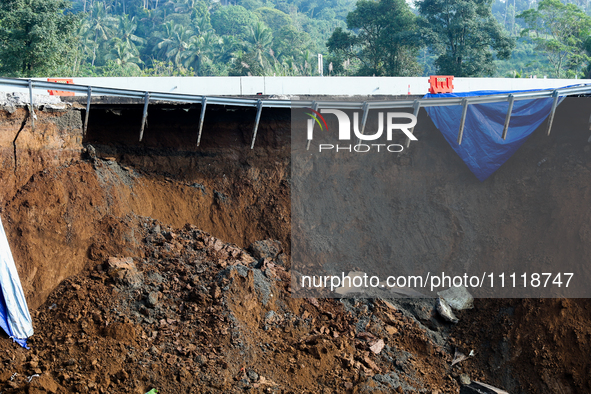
column 194, row 312
column 529, row 345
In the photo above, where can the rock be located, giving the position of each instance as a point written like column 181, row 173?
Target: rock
column 370, row 363
column 282, row 260
column 271, row 317
column 91, row 151
column 252, row 375
column 45, row 383
column 391, row 330
column 268, row 248
column 445, row 311
column 124, row 271
column 377, row 346
column 465, row 379
column 123, row 332
column 152, row 299
column 458, row 298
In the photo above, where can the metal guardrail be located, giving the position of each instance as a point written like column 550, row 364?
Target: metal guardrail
column 259, row 104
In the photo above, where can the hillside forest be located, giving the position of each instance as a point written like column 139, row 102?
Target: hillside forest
column 470, row 38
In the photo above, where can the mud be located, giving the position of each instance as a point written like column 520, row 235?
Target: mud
column 206, row 308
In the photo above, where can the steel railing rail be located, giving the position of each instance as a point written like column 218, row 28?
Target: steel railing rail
column 259, row 104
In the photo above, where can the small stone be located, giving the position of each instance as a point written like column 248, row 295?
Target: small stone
column 445, row 311
column 391, row 330
column 252, row 375
column 91, row 151
column 458, row 298
column 152, row 299
column 124, row 271
column 465, row 379
column 377, row 346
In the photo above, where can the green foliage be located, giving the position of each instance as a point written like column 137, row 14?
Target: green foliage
column 289, row 41
column 36, row 36
column 203, row 37
column 560, row 32
column 275, row 19
column 464, row 34
column 233, row 21
column 283, row 37
column 386, row 42
column 525, row 61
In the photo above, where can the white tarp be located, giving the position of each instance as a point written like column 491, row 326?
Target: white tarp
column 15, row 319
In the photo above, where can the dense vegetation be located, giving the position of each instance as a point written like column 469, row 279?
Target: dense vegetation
column 514, row 38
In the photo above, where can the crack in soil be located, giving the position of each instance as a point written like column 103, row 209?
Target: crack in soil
column 16, row 137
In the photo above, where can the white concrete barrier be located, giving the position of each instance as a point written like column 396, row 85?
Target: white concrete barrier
column 321, row 86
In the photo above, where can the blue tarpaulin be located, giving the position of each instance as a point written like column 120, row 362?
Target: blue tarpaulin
column 15, row 319
column 483, row 148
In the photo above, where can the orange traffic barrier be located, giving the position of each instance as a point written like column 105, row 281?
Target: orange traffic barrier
column 60, row 92
column 441, row 84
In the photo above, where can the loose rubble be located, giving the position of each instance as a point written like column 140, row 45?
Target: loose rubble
column 191, row 313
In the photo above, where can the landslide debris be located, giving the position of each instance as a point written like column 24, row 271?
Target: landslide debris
column 189, row 313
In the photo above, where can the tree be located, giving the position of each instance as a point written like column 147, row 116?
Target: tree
column 465, row 35
column 560, row 32
column 290, row 43
column 233, row 20
column 102, row 25
column 275, row 19
column 201, row 49
column 126, row 29
column 259, row 44
column 386, row 42
column 36, row 36
column 174, row 41
column 123, row 56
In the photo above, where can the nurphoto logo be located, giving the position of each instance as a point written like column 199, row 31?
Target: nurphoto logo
column 344, row 132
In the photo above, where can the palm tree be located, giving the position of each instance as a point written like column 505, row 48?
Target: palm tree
column 123, row 56
column 258, row 44
column 101, row 26
column 126, row 30
column 86, row 45
column 173, row 42
column 200, row 48
column 227, row 50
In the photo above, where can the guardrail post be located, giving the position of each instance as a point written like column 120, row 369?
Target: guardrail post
column 201, row 118
column 32, row 109
column 463, row 121
column 364, row 119
column 256, row 122
column 315, row 108
column 416, row 106
column 145, row 115
column 554, row 104
column 88, row 98
column 508, row 116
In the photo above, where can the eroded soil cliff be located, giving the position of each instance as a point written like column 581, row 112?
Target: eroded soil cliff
column 138, row 263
